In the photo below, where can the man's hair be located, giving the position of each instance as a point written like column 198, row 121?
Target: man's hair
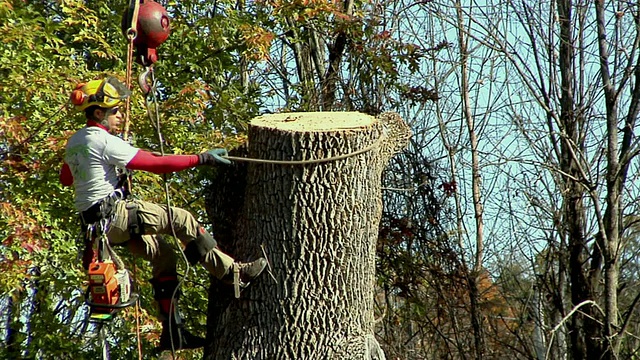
column 88, row 112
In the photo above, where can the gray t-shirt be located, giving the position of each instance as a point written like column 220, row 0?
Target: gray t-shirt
column 93, row 156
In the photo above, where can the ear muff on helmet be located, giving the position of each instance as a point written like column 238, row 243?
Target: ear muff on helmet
column 105, row 93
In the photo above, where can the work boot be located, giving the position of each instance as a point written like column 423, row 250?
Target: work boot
column 250, row 271
column 243, row 273
column 182, row 339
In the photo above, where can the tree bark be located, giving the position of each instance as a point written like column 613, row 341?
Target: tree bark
column 317, row 223
column 583, row 328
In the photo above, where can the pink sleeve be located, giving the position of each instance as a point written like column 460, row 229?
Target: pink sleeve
column 144, row 160
column 66, row 177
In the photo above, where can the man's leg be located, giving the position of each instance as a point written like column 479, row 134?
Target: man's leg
column 200, row 246
column 155, row 249
column 162, row 257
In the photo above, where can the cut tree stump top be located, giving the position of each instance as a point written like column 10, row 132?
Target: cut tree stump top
column 314, row 121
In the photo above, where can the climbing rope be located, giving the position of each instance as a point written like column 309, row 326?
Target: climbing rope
column 312, row 161
column 105, row 344
column 153, row 113
column 131, row 33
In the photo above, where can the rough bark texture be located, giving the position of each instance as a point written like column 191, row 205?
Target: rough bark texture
column 318, row 225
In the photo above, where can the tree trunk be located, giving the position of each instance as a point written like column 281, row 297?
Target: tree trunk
column 476, row 191
column 318, row 224
column 11, row 340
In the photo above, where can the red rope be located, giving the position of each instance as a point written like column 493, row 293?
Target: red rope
column 131, row 35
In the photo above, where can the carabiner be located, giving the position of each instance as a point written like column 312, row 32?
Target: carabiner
column 143, row 80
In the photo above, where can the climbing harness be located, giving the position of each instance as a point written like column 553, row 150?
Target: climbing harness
column 109, row 282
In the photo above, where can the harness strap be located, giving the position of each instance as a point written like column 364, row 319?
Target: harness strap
column 97, row 231
column 124, row 183
column 102, row 209
column 134, row 222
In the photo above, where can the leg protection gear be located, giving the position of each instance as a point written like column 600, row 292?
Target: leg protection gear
column 174, row 336
column 163, row 291
column 198, row 248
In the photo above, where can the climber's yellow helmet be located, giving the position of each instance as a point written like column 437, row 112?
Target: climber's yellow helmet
column 105, row 93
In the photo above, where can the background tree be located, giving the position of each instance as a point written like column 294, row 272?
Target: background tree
column 586, row 175
column 566, row 100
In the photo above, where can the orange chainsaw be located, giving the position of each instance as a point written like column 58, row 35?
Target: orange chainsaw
column 109, row 283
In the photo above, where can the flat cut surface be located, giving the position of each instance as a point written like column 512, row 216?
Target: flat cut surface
column 314, row 121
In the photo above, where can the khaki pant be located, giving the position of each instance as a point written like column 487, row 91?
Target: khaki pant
column 155, row 221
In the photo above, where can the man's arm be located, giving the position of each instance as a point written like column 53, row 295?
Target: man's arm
column 146, row 161
column 66, row 177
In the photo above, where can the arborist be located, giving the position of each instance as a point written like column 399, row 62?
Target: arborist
column 92, row 159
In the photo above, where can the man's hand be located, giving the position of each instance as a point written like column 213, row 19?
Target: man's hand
column 214, row 157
